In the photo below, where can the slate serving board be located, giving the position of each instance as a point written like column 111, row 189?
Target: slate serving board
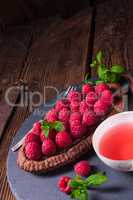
column 27, row 186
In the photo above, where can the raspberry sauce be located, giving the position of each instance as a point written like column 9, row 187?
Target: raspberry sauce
column 117, row 143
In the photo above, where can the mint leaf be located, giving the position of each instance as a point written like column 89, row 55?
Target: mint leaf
column 105, row 73
column 110, row 77
column 78, row 182
column 107, row 76
column 99, row 57
column 58, row 126
column 45, row 128
column 101, row 71
column 99, row 81
column 88, row 81
column 94, row 63
column 96, row 179
column 117, row 69
column 74, row 184
column 46, row 132
column 44, row 124
column 115, row 77
column 79, row 194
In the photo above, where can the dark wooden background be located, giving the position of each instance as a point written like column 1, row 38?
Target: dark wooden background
column 23, row 11
column 53, row 44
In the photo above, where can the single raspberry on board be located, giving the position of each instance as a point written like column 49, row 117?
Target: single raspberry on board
column 51, row 115
column 33, row 151
column 82, row 168
column 48, row 147
column 63, row 139
column 86, row 88
column 63, row 184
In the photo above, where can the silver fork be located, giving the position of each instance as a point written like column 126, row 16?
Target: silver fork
column 19, row 144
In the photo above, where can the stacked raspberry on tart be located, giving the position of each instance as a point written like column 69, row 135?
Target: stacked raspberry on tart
column 67, row 124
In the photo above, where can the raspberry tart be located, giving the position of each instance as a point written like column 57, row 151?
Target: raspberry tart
column 65, row 132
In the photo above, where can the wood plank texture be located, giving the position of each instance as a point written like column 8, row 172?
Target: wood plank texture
column 13, row 52
column 57, row 60
column 114, row 31
column 63, row 58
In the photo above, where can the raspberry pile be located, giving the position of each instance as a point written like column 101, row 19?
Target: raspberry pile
column 77, row 113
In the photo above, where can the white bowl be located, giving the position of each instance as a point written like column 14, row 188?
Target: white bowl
column 121, row 165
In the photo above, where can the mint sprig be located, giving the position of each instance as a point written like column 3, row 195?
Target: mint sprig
column 48, row 126
column 99, row 57
column 118, row 69
column 106, row 74
column 79, row 194
column 45, row 126
column 80, row 186
column 58, row 126
column 96, row 179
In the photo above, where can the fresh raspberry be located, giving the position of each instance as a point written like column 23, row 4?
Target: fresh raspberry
column 107, row 97
column 89, row 118
column 100, row 88
column 64, row 115
column 74, row 96
column 63, row 103
column 51, row 115
column 33, row 151
column 82, row 168
column 63, row 139
column 31, row 137
column 83, row 107
column 86, row 88
column 91, row 98
column 75, row 116
column 77, row 129
column 100, row 108
column 63, row 184
column 48, row 147
column 74, row 106
column 52, row 134
column 36, row 128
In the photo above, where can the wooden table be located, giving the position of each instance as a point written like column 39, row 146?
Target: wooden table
column 58, row 52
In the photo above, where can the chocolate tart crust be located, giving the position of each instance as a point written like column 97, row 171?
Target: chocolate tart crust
column 57, row 161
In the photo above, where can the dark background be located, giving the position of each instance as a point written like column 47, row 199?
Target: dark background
column 23, row 11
